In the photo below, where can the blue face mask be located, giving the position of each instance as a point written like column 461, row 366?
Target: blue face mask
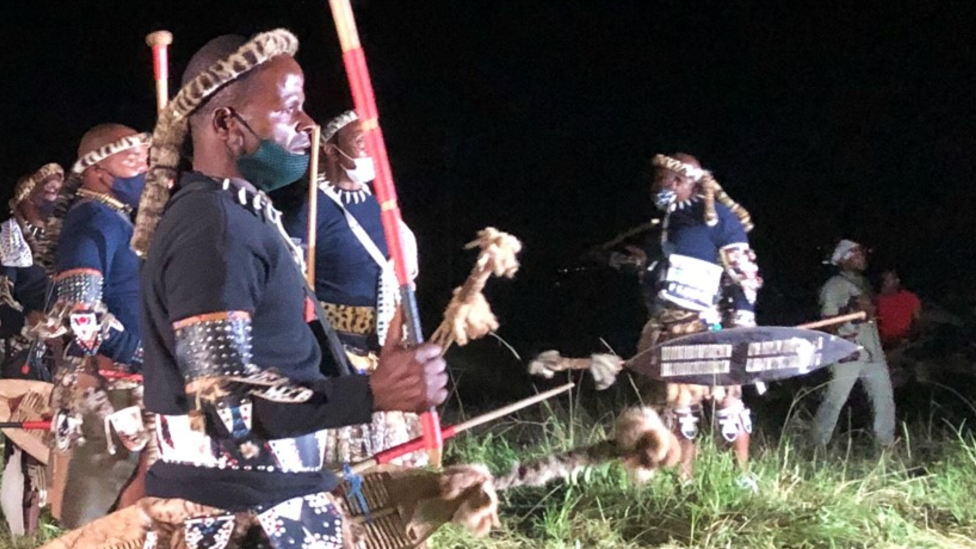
column 664, row 198
column 128, row 190
column 271, row 166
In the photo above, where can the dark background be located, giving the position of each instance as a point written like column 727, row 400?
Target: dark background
column 825, row 119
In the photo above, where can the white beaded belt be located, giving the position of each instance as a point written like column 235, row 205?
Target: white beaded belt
column 181, row 444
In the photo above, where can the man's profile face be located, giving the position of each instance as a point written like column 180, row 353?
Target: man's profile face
column 352, row 141
column 665, row 179
column 273, row 107
column 127, row 163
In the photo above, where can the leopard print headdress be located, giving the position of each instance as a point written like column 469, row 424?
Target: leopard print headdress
column 710, row 187
column 68, row 195
column 173, row 124
column 26, row 187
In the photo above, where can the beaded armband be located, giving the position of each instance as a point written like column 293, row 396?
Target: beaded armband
column 80, row 287
column 214, row 345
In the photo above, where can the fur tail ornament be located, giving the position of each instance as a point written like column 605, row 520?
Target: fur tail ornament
column 642, row 443
column 604, row 367
column 468, row 315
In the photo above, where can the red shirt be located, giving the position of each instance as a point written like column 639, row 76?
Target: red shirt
column 895, row 314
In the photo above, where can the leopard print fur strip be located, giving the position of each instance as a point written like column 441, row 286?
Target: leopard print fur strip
column 543, row 470
column 711, row 188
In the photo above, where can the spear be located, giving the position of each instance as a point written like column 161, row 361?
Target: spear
column 159, row 41
column 313, row 206
column 362, row 92
column 416, row 444
column 42, row 425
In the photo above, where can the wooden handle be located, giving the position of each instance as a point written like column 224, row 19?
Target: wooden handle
column 833, row 320
column 159, row 38
column 313, row 206
column 159, row 41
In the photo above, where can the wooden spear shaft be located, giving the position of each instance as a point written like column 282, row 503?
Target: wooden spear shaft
column 361, row 87
column 833, row 320
column 313, row 207
column 417, row 444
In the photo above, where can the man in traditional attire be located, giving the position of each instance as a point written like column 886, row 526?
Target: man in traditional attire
column 846, row 292
column 232, row 369
column 354, row 278
column 98, row 394
column 701, row 261
column 23, row 289
column 23, row 282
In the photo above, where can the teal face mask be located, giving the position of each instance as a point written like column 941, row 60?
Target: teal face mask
column 271, row 166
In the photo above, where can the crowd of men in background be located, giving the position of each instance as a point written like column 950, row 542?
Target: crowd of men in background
column 140, row 360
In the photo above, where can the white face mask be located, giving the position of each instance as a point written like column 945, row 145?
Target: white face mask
column 363, row 171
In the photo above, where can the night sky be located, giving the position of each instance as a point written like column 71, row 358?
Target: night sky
column 824, row 119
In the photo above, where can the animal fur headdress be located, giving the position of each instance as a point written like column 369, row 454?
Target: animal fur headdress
column 332, row 128
column 26, row 187
column 171, row 128
column 68, row 194
column 710, row 187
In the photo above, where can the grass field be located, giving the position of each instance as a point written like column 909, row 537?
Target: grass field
column 920, row 494
column 853, row 494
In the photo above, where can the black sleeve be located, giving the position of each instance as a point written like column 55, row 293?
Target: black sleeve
column 337, row 402
column 31, row 288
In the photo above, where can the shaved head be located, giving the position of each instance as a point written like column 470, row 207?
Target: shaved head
column 101, row 135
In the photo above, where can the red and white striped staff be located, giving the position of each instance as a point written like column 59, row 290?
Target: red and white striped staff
column 159, row 41
column 363, row 98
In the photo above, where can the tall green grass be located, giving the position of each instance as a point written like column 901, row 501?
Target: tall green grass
column 853, row 494
column 919, row 494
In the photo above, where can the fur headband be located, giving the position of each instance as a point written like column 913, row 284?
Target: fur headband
column 26, row 187
column 336, row 124
column 68, row 195
column 711, row 188
column 171, row 128
column 101, row 153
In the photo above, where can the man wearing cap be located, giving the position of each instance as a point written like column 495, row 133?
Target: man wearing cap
column 98, row 394
column 23, row 288
column 702, row 258
column 354, row 277
column 232, row 369
column 849, row 291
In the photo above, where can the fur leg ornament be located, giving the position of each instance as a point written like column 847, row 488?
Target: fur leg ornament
column 468, row 315
column 642, row 443
column 604, row 367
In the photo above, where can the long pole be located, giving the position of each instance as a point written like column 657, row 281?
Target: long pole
column 313, row 207
column 416, row 444
column 159, row 41
column 354, row 59
column 833, row 320
column 42, row 424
